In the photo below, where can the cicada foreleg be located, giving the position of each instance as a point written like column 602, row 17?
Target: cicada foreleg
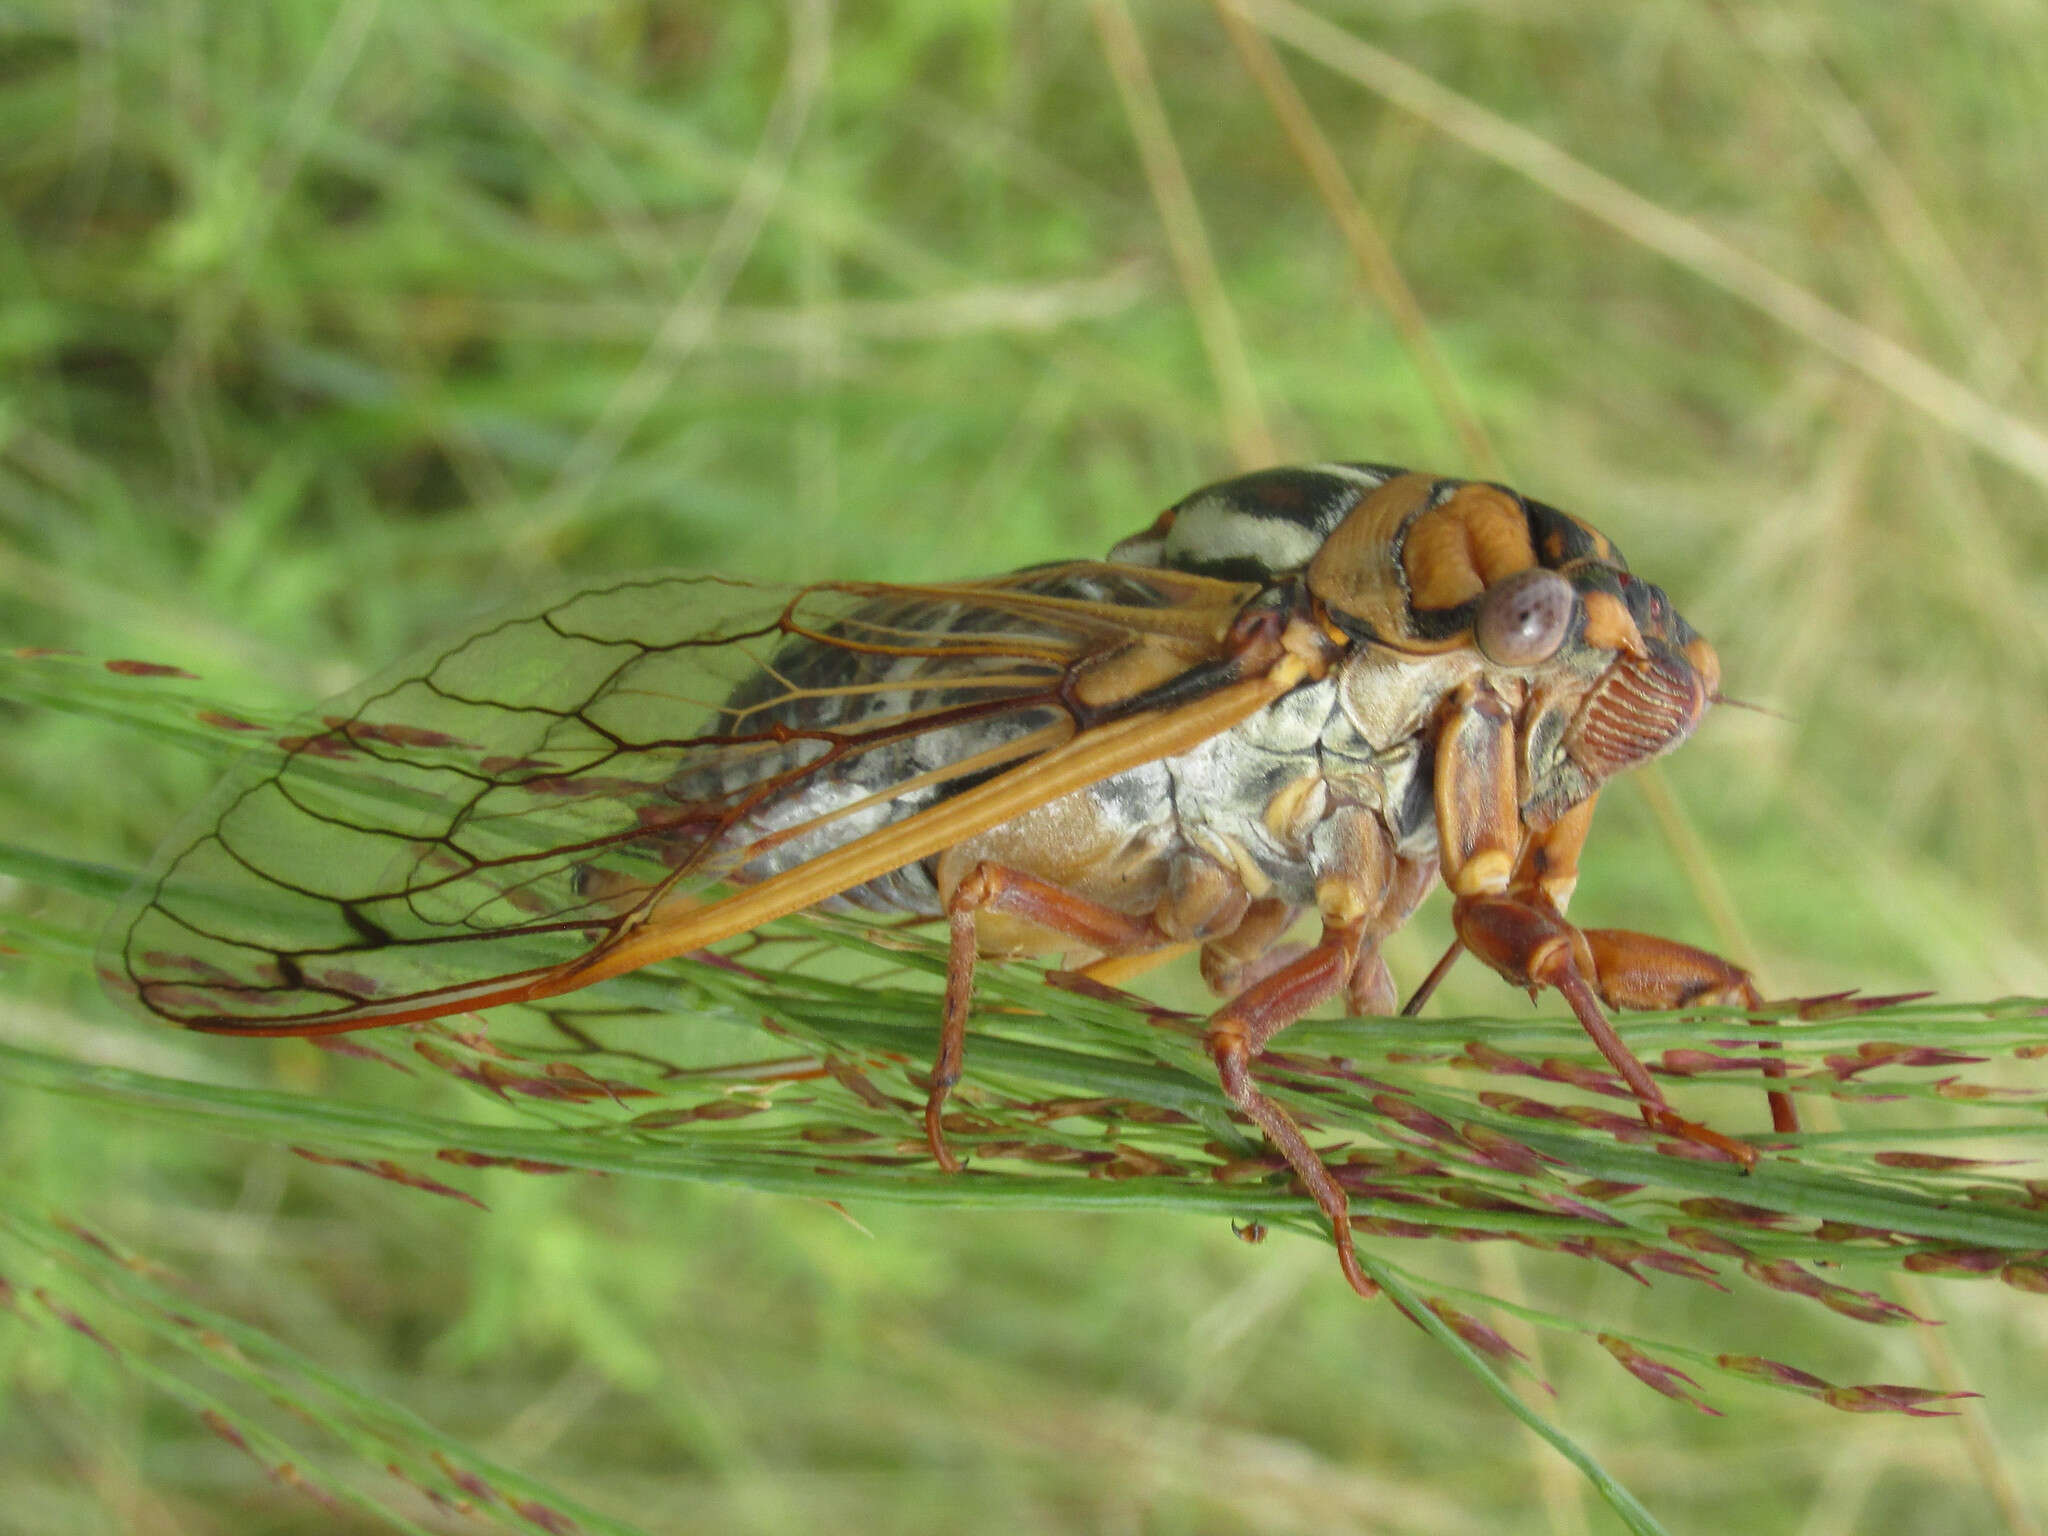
column 1639, row 970
column 1508, row 909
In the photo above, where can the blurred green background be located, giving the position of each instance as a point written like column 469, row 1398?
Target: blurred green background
column 325, row 326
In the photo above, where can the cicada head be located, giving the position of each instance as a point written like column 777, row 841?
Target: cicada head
column 1613, row 674
column 1434, row 580
column 1481, row 580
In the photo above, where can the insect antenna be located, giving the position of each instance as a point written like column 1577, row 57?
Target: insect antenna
column 1761, row 709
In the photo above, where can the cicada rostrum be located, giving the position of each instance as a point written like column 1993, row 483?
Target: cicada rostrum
column 1303, row 689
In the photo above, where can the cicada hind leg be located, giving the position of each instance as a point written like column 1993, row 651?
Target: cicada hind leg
column 1365, row 890
column 997, row 888
column 1240, row 934
column 1241, row 1029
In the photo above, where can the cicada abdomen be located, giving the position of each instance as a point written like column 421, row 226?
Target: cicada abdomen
column 916, row 695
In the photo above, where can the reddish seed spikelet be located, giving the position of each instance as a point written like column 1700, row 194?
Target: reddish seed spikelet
column 1863, row 1306
column 1784, row 1275
column 433, row 1496
column 1125, row 1162
column 1469, row 1328
column 219, row 1424
column 1935, row 1162
column 1654, row 1373
column 1565, row 1205
column 1465, row 1198
column 348, row 1045
column 1700, row 1240
column 1846, row 1005
column 385, row 1168
column 1497, row 1150
column 1669, row 1263
column 1776, row 1372
column 464, row 1158
column 1853, row 1232
column 1621, row 1127
column 1885, row 1398
column 2030, row 1275
column 1956, row 1263
column 1391, row 1194
column 1522, row 1106
column 834, row 1135
column 554, row 1522
column 73, row 1321
column 1233, row 1169
column 1591, row 1079
column 1385, row 1226
column 1496, row 1060
column 1712, row 1208
column 1617, row 1254
column 466, row 1480
column 222, row 721
column 727, row 1109
column 1604, row 1189
column 1956, row 1089
column 1868, row 1307
column 1881, row 1053
column 1415, row 1118
column 1683, row 1062
column 1692, row 1151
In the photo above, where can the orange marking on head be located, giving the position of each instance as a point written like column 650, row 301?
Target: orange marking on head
column 1457, row 551
column 1439, row 565
column 1498, row 530
column 1610, row 626
column 1705, row 662
column 1352, row 572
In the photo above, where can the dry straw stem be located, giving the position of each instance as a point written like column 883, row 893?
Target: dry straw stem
column 1369, row 248
column 1946, row 399
column 1781, row 41
column 690, row 320
column 1987, row 1457
column 189, row 364
column 1251, row 441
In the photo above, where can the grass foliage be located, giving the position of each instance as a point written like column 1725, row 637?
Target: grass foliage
column 329, row 323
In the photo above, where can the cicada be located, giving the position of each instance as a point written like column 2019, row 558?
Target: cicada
column 1305, row 690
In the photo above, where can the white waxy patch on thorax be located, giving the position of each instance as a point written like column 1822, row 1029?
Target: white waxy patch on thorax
column 1216, row 528
column 1390, row 696
column 1292, row 724
column 1371, row 479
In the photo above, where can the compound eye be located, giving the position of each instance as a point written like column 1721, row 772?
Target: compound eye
column 1523, row 619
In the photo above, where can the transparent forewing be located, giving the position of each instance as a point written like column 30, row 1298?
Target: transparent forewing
column 520, row 796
